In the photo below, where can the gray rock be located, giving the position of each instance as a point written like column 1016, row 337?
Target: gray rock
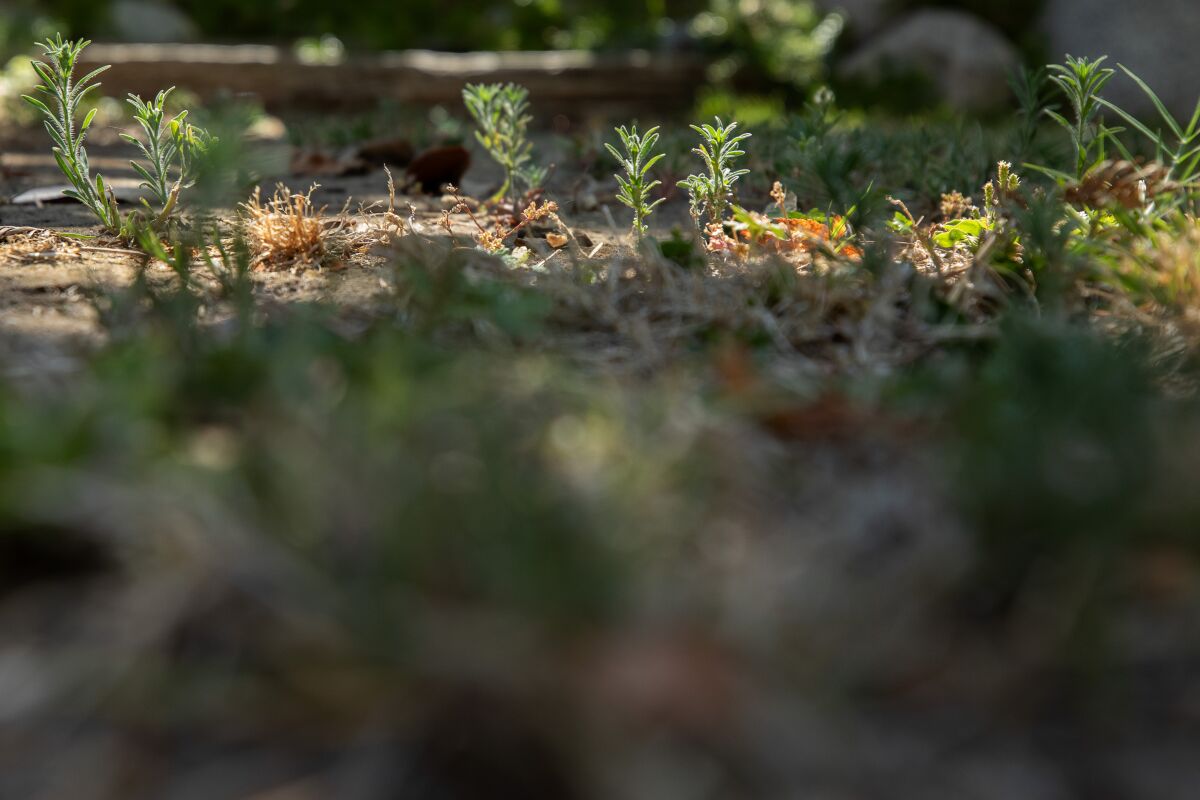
column 863, row 17
column 151, row 22
column 1154, row 38
column 967, row 59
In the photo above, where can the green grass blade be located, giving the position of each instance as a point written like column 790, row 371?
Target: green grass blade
column 1158, row 104
column 1133, row 121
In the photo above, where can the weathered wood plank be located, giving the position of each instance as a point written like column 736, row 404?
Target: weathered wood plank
column 572, row 82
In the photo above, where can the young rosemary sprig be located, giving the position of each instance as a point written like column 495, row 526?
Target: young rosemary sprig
column 719, row 149
column 637, row 163
column 66, row 95
column 170, row 151
column 160, row 147
column 502, row 113
column 1081, row 81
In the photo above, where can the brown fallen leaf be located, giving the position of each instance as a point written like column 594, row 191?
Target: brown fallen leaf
column 829, row 417
column 1165, row 575
column 308, row 789
column 556, row 240
column 833, row 417
column 320, row 164
column 1121, row 183
column 439, row 166
column 679, row 680
column 393, row 151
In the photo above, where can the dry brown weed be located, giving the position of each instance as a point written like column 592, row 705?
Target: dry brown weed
column 287, row 231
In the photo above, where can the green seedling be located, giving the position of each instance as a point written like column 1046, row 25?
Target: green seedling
column 712, row 191
column 1081, row 81
column 1001, row 190
column 501, row 111
column 637, row 162
column 65, row 96
column 170, row 149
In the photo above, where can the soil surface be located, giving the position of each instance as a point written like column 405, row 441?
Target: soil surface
column 49, row 284
column 863, row 521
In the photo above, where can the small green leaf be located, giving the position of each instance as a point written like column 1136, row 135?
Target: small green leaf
column 87, row 121
column 38, row 104
column 961, row 231
column 86, row 79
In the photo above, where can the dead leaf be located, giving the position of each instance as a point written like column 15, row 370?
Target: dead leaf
column 1121, row 183
column 318, row 163
column 682, row 681
column 439, row 166
column 556, row 240
column 1166, row 575
column 394, row 152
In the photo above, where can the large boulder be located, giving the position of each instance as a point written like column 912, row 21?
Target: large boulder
column 150, row 22
column 1157, row 39
column 967, row 60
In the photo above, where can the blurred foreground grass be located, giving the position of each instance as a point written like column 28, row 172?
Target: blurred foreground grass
column 247, row 549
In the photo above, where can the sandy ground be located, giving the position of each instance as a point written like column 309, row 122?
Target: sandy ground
column 49, row 285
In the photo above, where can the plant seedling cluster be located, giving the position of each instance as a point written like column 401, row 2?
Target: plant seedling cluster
column 713, row 189
column 501, row 112
column 170, row 149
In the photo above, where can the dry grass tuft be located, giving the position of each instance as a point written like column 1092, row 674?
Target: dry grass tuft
column 1162, row 271
column 287, row 231
column 1121, row 183
column 24, row 245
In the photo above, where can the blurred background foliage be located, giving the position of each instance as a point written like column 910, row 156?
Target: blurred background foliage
column 464, row 25
column 771, row 53
column 787, row 41
column 1014, row 17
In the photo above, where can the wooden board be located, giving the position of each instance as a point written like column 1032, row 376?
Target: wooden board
column 573, row 83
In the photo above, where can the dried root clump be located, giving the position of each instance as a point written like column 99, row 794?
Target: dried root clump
column 23, row 245
column 287, row 231
column 1121, row 184
column 956, row 205
column 496, row 240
